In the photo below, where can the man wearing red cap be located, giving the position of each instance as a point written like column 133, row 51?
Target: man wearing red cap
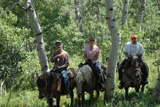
column 132, row 48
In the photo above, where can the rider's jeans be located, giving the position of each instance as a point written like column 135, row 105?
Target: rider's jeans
column 99, row 66
column 64, row 75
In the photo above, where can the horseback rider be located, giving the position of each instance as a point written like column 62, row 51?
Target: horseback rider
column 133, row 48
column 61, row 62
column 91, row 52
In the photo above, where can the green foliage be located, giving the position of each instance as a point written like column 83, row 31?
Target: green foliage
column 29, row 98
column 19, row 60
column 14, row 57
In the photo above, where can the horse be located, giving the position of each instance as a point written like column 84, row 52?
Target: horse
column 132, row 76
column 87, row 81
column 50, row 85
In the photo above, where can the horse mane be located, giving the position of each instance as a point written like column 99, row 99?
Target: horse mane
column 128, row 64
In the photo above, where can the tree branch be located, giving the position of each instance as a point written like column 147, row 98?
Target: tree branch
column 19, row 5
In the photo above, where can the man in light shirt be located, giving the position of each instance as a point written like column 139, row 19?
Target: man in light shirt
column 91, row 52
column 133, row 48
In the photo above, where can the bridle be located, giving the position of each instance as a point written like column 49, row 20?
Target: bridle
column 132, row 67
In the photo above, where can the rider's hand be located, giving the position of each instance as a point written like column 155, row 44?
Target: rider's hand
column 89, row 58
column 58, row 67
column 59, row 55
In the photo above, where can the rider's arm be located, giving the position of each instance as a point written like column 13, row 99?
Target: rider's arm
column 125, row 50
column 85, row 54
column 141, row 50
column 54, row 57
column 126, row 54
column 66, row 64
column 96, row 56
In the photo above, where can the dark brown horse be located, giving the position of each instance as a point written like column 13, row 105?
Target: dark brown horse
column 132, row 76
column 50, row 86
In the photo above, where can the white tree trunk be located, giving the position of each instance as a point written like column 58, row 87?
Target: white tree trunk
column 116, row 38
column 156, row 93
column 39, row 36
column 79, row 15
column 77, row 11
column 1, row 87
column 125, row 11
column 141, row 15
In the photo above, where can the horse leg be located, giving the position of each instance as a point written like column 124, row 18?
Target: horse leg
column 91, row 96
column 58, row 100
column 126, row 93
column 50, row 102
column 79, row 100
column 105, row 99
column 97, row 92
column 137, row 89
column 142, row 89
column 72, row 96
column 83, row 98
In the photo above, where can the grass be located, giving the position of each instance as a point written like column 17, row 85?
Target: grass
column 29, row 98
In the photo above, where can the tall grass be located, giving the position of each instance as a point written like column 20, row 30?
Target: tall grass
column 29, row 98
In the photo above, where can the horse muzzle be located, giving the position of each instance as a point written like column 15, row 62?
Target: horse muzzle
column 137, row 75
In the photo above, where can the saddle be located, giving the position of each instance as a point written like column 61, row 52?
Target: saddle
column 95, row 69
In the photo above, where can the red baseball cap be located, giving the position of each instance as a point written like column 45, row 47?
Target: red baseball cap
column 134, row 36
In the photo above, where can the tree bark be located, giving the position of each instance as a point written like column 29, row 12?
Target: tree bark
column 125, row 11
column 39, row 36
column 79, row 16
column 141, row 15
column 115, row 37
column 156, row 93
column 1, row 87
column 77, row 11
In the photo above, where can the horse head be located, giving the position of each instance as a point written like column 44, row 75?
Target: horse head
column 84, row 76
column 134, row 65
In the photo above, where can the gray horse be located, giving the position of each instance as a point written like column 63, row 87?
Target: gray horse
column 132, row 75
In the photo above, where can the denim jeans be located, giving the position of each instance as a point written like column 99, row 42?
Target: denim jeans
column 64, row 76
column 97, row 64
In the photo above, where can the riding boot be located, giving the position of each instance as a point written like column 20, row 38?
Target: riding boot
column 103, row 88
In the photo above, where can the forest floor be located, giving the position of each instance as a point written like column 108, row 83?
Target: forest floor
column 29, row 98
